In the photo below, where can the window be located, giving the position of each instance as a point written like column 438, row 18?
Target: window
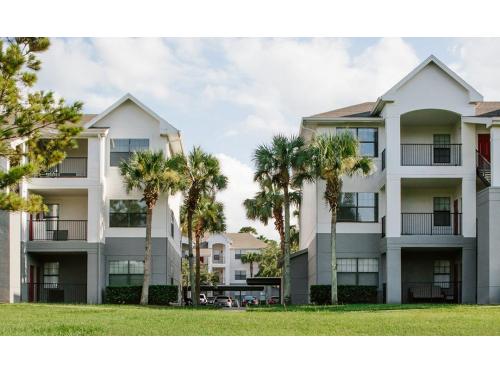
column 238, row 254
column 126, row 272
column 442, row 149
column 358, row 207
column 442, row 273
column 51, row 274
column 172, row 220
column 442, row 215
column 357, row 271
column 127, row 213
column 367, row 138
column 240, row 275
column 122, row 149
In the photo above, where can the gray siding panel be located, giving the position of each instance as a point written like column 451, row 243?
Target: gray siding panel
column 299, row 278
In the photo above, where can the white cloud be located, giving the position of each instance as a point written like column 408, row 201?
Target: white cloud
column 478, row 62
column 241, row 186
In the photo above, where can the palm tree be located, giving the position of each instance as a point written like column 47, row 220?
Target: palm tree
column 333, row 157
column 208, row 217
column 283, row 162
column 268, row 204
column 250, row 258
column 152, row 174
column 204, row 178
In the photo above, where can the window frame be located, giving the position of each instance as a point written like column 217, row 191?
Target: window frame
column 356, row 131
column 130, row 149
column 438, row 271
column 440, row 214
column 238, row 274
column 357, row 207
column 51, row 285
column 354, row 264
column 128, row 275
column 128, row 214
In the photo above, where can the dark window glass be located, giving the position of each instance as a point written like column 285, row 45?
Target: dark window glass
column 358, row 207
column 442, row 214
column 442, row 149
column 367, row 138
column 357, row 271
column 126, row 272
column 240, row 275
column 127, row 213
column 122, row 149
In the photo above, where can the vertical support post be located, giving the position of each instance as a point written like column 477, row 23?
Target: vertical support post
column 495, row 156
column 393, row 271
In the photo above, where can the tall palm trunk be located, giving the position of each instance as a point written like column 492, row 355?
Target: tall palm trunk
column 333, row 237
column 278, row 224
column 147, row 258
column 251, row 269
column 287, row 297
column 197, row 282
column 190, row 256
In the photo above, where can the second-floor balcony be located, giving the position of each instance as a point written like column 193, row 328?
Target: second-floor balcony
column 49, row 229
column 68, row 168
column 417, row 154
column 434, row 223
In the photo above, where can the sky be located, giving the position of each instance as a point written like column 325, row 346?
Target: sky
column 229, row 95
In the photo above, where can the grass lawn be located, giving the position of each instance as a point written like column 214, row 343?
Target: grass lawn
column 34, row 319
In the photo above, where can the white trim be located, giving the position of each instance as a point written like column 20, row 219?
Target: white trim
column 474, row 95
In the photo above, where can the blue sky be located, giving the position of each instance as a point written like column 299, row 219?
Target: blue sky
column 228, row 95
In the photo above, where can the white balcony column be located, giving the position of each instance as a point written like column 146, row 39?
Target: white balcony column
column 393, row 201
column 94, row 203
column 495, row 155
column 227, row 262
column 469, row 206
column 468, row 147
column 93, row 158
column 393, row 144
column 393, row 272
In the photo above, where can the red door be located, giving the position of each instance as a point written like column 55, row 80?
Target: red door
column 483, row 145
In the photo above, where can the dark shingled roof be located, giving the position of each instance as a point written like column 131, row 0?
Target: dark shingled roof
column 483, row 109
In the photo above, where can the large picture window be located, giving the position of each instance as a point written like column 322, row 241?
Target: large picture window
column 357, row 271
column 367, row 138
column 126, row 272
column 122, row 149
column 127, row 213
column 358, row 207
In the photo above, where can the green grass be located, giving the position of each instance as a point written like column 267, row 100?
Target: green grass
column 33, row 319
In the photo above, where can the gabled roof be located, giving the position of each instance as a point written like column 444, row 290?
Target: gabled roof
column 165, row 127
column 488, row 109
column 474, row 96
column 245, row 241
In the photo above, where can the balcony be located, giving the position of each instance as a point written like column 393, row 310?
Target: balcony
column 429, row 224
column 218, row 259
column 68, row 168
column 57, row 292
column 415, row 154
column 57, row 230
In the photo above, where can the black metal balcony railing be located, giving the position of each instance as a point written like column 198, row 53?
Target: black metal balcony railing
column 483, row 169
column 218, row 259
column 57, row 230
column 383, row 159
column 431, row 154
column 57, row 293
column 438, row 292
column 436, row 223
column 69, row 167
column 383, row 226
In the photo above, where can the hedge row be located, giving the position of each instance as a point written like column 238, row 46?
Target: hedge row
column 131, row 295
column 321, row 294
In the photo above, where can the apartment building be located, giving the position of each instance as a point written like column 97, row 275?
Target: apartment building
column 424, row 226
column 93, row 233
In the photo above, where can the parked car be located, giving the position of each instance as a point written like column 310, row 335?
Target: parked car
column 250, row 300
column 274, row 300
column 235, row 303
column 223, row 301
column 203, row 299
column 210, row 300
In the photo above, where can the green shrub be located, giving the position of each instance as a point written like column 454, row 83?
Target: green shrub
column 131, row 295
column 321, row 294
